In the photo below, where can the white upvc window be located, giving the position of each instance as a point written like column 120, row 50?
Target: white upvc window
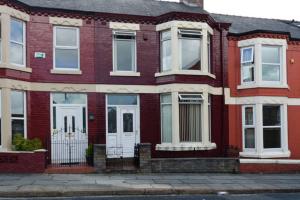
column 166, row 51
column 247, row 63
column 265, row 131
column 185, row 122
column 189, row 49
column 124, row 51
column 185, row 48
column 263, row 63
column 17, row 42
column 18, row 113
column 66, row 48
column 0, row 42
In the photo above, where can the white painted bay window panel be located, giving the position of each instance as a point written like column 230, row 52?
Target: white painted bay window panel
column 166, row 51
column 18, row 113
column 249, row 127
column 271, row 63
column 166, row 118
column 0, row 43
column 247, row 63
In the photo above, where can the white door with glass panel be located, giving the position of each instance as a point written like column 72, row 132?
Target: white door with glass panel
column 69, row 138
column 122, row 126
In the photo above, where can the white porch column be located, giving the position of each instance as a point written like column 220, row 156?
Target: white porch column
column 6, row 136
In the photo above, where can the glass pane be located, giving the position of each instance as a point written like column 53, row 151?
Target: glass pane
column 112, row 119
column 73, row 124
column 54, row 118
column 166, row 98
column 247, row 54
column 16, row 54
column 84, row 119
column 122, row 99
column 66, row 37
column 166, row 119
column 125, row 55
column 270, row 54
column 190, row 54
column 16, row 33
column 271, row 116
column 249, row 116
column 248, row 74
column 127, row 122
column 66, row 124
column 190, row 122
column 17, row 126
column 68, row 98
column 272, row 138
column 271, row 72
column 17, row 104
column 66, row 58
column 249, row 138
column 166, row 55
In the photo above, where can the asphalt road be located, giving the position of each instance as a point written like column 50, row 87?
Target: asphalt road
column 290, row 196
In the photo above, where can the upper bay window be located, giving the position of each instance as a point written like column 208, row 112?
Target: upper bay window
column 66, row 48
column 185, row 48
column 264, row 131
column 190, row 48
column 17, row 42
column 263, row 63
column 124, row 50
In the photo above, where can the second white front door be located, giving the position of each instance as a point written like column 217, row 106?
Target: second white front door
column 122, row 130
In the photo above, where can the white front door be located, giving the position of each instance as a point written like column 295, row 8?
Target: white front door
column 123, row 133
column 69, row 140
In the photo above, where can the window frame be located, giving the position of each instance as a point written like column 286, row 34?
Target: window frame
column 1, row 42
column 77, row 47
column 169, row 68
column 247, row 65
column 244, row 126
column 25, row 112
column 182, row 31
column 161, row 117
column 18, row 43
column 134, row 55
column 280, row 64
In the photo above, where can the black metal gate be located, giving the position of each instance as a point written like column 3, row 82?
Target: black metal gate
column 68, row 147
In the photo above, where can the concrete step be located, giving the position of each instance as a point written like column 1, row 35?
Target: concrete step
column 121, row 165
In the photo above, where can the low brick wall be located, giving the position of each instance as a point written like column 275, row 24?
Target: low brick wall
column 23, row 162
column 195, row 165
column 269, row 168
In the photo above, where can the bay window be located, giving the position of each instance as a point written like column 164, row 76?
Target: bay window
column 0, row 41
column 189, row 48
column 124, row 50
column 18, row 113
column 265, row 131
column 185, row 122
column 263, row 63
column 17, row 42
column 185, row 48
column 66, row 48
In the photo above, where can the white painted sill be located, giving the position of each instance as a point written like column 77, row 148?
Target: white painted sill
column 15, row 67
column 273, row 154
column 66, row 72
column 270, row 161
column 185, row 147
column 252, row 86
column 185, row 72
column 125, row 74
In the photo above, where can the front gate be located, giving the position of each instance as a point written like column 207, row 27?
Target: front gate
column 68, row 147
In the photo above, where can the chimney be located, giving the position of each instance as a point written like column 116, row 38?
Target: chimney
column 193, row 3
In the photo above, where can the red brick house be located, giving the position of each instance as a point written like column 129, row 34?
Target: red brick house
column 143, row 72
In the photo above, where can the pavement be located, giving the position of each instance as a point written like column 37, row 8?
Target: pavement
column 66, row 185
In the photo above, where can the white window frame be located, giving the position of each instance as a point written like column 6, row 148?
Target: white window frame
column 275, row 64
column 15, row 42
column 134, row 55
column 161, row 118
column 260, row 151
column 247, row 67
column 180, row 38
column 244, row 126
column 209, row 53
column 1, row 43
column 25, row 112
column 169, row 68
column 77, row 47
column 258, row 44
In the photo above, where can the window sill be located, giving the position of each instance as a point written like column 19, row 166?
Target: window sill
column 270, row 161
column 185, row 72
column 125, row 74
column 185, row 147
column 17, row 68
column 273, row 154
column 66, row 72
column 242, row 87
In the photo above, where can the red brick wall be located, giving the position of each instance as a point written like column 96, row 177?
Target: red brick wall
column 269, row 168
column 22, row 162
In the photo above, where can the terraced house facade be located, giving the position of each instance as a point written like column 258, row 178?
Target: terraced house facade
column 169, row 84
